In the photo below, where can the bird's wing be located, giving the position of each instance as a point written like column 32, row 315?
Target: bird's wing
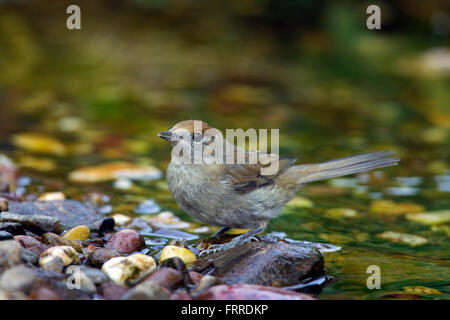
column 247, row 177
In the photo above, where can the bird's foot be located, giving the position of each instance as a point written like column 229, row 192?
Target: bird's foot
column 243, row 238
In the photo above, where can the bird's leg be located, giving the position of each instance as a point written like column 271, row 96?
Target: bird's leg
column 243, row 238
column 219, row 233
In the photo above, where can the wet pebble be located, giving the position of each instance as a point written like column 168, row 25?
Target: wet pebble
column 10, row 253
column 126, row 241
column 166, row 277
column 140, row 225
column 44, row 293
column 250, row 292
column 112, row 291
column 184, row 254
column 121, row 219
column 125, row 269
column 167, row 219
column 18, row 278
column 29, row 256
column 406, row 238
column 80, row 233
column 55, row 240
column 338, row 213
column 432, row 218
column 55, row 264
column 95, row 275
column 70, row 213
column 67, row 254
column 31, row 244
column 113, row 171
column 389, row 207
column 12, row 227
column 36, row 223
column 98, row 257
column 39, row 143
column 147, row 207
column 147, row 290
column 52, row 196
column 5, row 236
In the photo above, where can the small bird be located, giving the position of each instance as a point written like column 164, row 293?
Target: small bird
column 242, row 195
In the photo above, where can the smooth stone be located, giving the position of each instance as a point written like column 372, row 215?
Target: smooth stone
column 171, row 234
column 277, row 264
column 98, row 257
column 166, row 277
column 29, row 256
column 244, row 291
column 95, row 275
column 67, row 254
column 147, row 290
column 56, row 264
column 17, row 278
column 12, row 227
column 55, row 240
column 38, row 224
column 70, row 213
column 10, row 253
column 31, row 244
column 52, row 196
column 5, row 236
column 184, row 254
column 126, row 241
column 80, row 233
column 112, row 291
column 126, row 269
column 140, row 225
column 121, row 219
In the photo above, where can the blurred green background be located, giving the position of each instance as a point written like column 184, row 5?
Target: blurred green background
column 310, row 68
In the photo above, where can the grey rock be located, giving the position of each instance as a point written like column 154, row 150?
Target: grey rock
column 12, row 227
column 17, row 278
column 38, row 224
column 10, row 253
column 55, row 265
column 29, row 256
column 277, row 264
column 95, row 275
column 5, row 236
column 70, row 213
column 147, row 290
column 55, row 240
column 98, row 257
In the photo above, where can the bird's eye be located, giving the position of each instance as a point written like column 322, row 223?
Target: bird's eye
column 197, row 136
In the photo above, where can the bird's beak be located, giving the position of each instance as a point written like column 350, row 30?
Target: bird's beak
column 167, row 135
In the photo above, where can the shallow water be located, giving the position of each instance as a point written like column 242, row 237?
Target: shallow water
column 107, row 90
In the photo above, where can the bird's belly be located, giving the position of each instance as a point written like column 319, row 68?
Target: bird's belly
column 215, row 203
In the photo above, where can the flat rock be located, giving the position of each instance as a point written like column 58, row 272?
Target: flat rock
column 250, row 292
column 70, row 213
column 276, row 264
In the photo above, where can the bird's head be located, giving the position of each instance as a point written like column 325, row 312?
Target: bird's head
column 189, row 133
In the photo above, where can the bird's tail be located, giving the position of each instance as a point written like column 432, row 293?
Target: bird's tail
column 345, row 166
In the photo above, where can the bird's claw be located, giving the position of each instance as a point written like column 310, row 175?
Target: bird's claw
column 226, row 246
